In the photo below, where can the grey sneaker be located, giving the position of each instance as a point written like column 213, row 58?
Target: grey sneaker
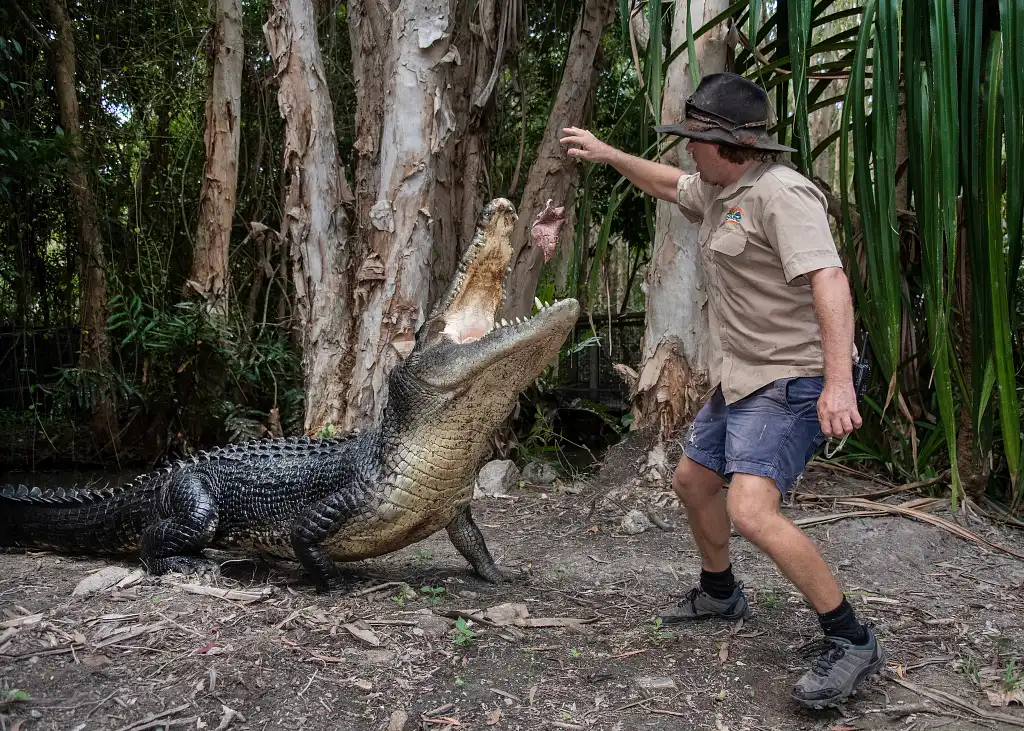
column 839, row 668
column 698, row 604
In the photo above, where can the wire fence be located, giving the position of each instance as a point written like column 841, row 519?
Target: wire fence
column 31, row 358
column 586, row 369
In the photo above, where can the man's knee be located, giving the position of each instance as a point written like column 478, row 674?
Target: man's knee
column 753, row 505
column 694, row 483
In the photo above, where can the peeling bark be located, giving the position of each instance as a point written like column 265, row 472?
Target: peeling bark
column 402, row 61
column 95, row 346
column 674, row 375
column 553, row 175
column 474, row 111
column 315, row 226
column 209, row 277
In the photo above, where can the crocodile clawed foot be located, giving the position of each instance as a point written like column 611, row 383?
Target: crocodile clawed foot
column 332, row 584
column 187, row 565
column 494, row 575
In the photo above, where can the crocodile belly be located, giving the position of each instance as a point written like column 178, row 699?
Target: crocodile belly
column 401, row 518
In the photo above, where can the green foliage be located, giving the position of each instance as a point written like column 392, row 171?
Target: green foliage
column 432, row 593
column 656, row 631
column 463, row 634
column 13, row 695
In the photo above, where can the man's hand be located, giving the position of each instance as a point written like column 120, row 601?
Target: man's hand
column 837, row 409
column 652, row 178
column 590, row 148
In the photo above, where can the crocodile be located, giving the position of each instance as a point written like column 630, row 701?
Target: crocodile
column 328, row 501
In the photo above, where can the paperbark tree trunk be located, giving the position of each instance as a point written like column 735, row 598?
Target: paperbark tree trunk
column 553, row 175
column 489, row 37
column 95, row 345
column 402, row 61
column 209, row 277
column 315, row 225
column 674, row 375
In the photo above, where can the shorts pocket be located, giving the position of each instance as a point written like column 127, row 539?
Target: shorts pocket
column 802, row 393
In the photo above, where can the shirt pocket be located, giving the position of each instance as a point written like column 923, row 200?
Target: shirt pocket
column 730, row 242
column 728, row 252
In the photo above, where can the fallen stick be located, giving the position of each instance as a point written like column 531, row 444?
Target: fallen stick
column 948, row 699
column 144, row 629
column 801, row 497
column 148, row 720
column 21, row 621
column 42, row 653
column 377, row 588
column 234, row 595
column 935, row 520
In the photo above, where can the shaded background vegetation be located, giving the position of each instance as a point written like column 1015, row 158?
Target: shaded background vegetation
column 944, row 390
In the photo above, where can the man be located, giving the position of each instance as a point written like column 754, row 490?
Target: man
column 781, row 322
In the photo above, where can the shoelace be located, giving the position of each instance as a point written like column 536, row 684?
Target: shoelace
column 691, row 598
column 828, row 653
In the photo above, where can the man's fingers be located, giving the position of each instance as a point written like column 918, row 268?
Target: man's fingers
column 847, row 424
column 858, row 422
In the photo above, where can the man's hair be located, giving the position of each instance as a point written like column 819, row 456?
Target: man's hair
column 740, row 155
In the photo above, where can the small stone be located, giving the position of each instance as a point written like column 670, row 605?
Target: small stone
column 497, row 477
column 433, row 626
column 635, row 522
column 652, row 685
column 36, row 714
column 539, row 473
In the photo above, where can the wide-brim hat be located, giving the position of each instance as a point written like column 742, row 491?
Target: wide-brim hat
column 729, row 109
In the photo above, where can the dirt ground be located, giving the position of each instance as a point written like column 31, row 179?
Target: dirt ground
column 149, row 654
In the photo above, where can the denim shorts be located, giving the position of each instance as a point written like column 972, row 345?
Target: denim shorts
column 773, row 432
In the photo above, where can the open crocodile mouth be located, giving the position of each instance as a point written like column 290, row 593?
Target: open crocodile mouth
column 470, row 325
column 468, row 311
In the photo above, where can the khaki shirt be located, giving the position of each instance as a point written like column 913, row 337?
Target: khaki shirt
column 758, row 238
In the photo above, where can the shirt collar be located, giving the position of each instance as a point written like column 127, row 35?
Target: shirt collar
column 750, row 176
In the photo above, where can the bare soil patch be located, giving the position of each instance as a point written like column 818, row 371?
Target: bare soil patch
column 149, row 654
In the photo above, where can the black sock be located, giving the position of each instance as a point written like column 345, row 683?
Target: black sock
column 718, row 584
column 842, row 622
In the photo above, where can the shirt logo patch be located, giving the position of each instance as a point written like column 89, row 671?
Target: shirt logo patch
column 734, row 215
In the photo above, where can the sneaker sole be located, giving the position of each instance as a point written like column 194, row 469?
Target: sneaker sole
column 704, row 617
column 873, row 669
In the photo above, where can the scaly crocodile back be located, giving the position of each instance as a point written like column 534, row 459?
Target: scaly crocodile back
column 106, row 520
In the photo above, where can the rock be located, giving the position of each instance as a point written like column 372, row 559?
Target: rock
column 497, row 477
column 432, row 625
column 651, row 685
column 100, row 580
column 397, row 721
column 375, row 657
column 657, row 460
column 539, row 473
column 635, row 522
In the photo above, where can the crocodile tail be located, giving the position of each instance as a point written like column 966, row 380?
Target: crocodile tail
column 108, row 520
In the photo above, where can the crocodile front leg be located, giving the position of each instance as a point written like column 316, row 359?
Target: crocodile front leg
column 469, row 541
column 311, row 528
column 187, row 522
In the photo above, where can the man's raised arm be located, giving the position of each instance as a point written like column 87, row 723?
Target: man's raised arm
column 653, row 178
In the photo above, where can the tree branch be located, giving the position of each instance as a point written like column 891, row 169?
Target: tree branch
column 43, row 40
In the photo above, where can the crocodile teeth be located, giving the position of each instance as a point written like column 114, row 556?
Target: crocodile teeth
column 538, row 303
column 503, row 323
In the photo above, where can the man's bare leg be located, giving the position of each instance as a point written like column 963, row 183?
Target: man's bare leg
column 700, row 491
column 717, row 593
column 753, row 504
